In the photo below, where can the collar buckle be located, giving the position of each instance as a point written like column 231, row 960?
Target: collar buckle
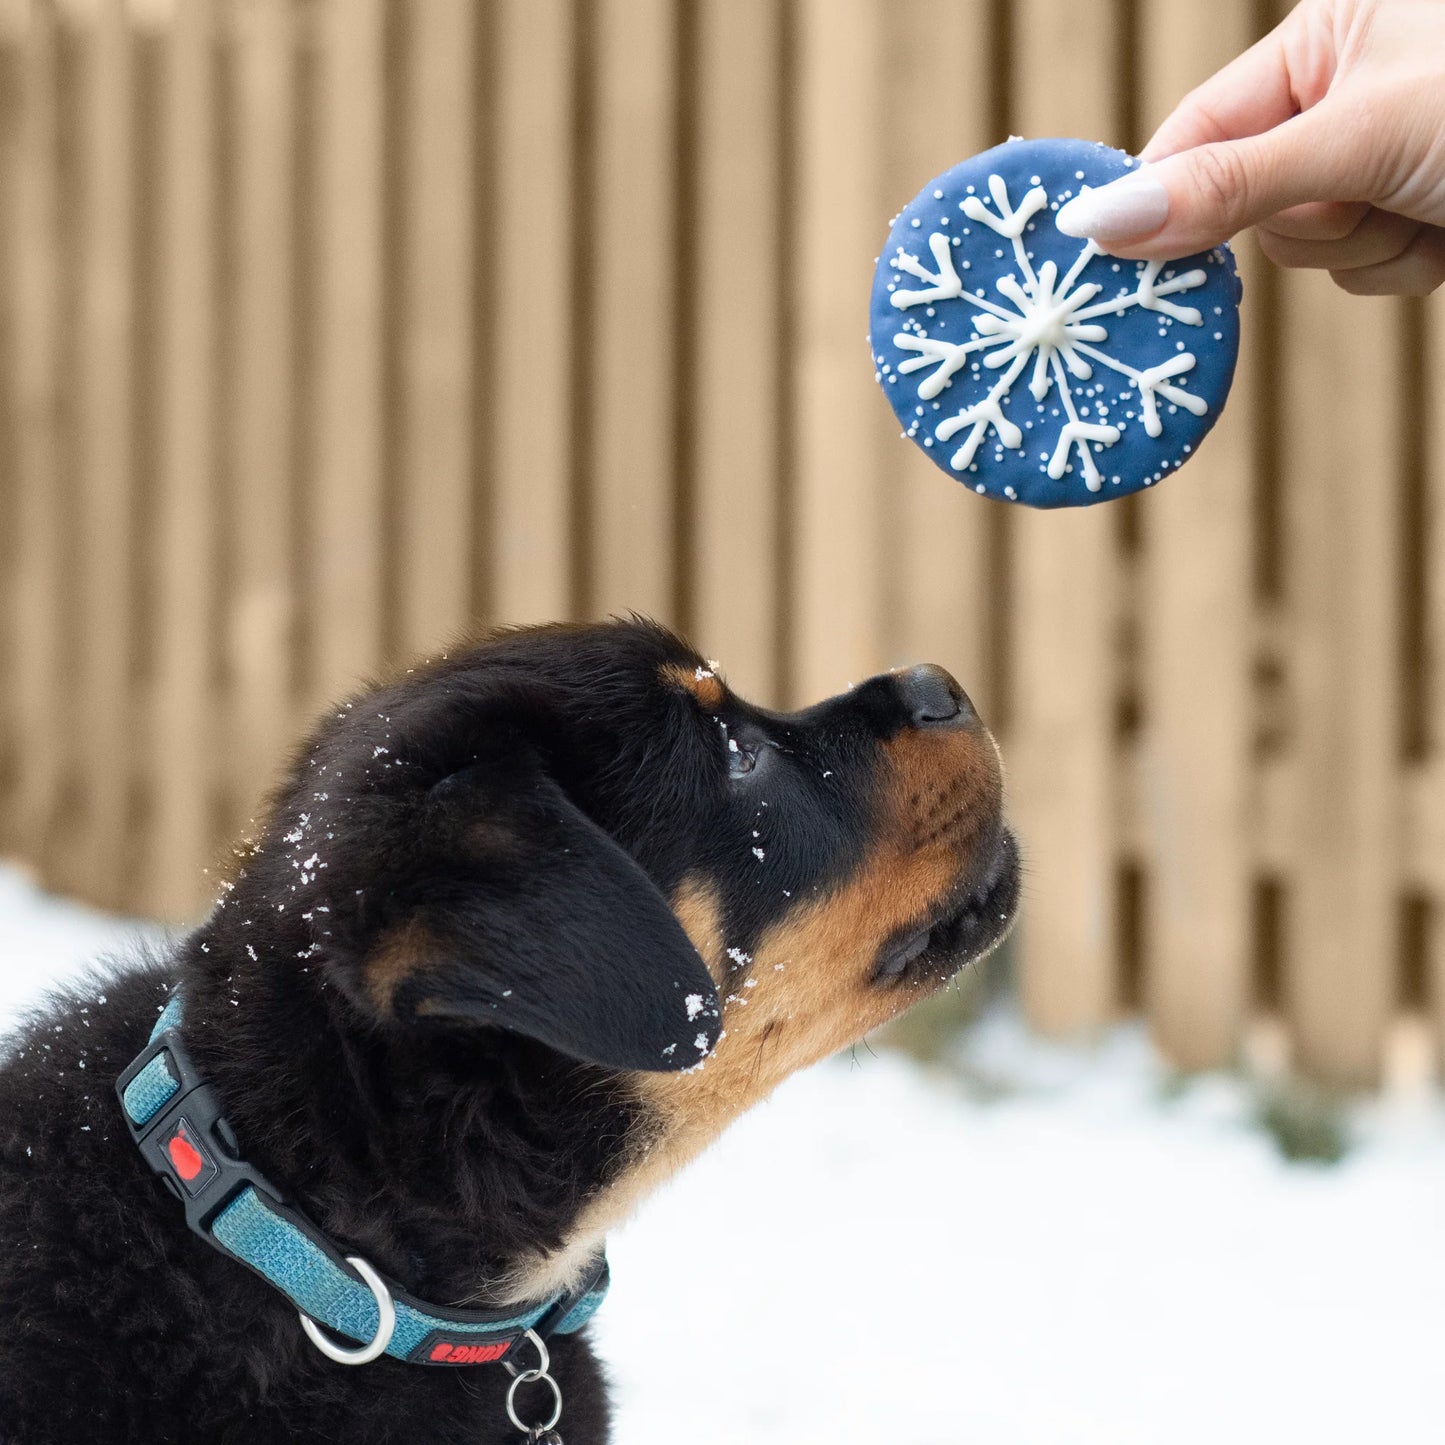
column 175, row 1119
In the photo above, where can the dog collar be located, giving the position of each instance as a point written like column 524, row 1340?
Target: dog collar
column 175, row 1118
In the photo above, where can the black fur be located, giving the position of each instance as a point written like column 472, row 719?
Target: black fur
column 417, row 1002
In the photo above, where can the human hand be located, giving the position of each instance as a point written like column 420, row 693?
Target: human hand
column 1328, row 136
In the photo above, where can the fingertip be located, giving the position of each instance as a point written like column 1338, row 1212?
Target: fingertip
column 1131, row 208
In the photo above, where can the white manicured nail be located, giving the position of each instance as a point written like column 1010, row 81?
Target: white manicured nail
column 1134, row 205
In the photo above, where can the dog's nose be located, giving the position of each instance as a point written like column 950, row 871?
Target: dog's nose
column 932, row 699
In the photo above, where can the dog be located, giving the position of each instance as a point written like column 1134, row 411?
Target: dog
column 523, row 931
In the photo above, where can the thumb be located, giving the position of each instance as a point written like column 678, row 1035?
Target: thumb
column 1200, row 197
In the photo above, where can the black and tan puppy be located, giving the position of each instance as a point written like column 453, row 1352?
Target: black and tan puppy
column 524, row 932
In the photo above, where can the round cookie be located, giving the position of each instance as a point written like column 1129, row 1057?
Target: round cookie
column 1031, row 365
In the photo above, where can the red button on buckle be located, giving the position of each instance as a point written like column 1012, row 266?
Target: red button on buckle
column 185, row 1156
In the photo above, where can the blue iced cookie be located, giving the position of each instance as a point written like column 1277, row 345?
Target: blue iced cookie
column 1031, row 365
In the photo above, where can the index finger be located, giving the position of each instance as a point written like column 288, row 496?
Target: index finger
column 1251, row 94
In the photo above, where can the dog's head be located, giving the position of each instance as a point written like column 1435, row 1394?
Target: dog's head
column 579, row 837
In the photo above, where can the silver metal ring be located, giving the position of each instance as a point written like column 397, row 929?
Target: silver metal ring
column 525, row 1378
column 544, row 1360
column 385, row 1325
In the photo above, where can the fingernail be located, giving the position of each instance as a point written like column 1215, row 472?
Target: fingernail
column 1134, row 205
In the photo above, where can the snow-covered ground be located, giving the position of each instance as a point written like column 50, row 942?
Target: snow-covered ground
column 1079, row 1253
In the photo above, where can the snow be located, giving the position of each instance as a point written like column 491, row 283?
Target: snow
column 1085, row 1256
column 45, row 940
column 1039, row 1246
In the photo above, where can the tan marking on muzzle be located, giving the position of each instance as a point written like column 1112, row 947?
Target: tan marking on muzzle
column 946, row 785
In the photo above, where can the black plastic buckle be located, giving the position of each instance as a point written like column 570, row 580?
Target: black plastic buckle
column 188, row 1141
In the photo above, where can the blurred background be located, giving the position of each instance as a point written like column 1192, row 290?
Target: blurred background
column 333, row 332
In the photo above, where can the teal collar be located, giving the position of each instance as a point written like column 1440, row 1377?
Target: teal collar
column 175, row 1118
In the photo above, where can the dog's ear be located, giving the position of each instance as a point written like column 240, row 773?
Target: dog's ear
column 529, row 917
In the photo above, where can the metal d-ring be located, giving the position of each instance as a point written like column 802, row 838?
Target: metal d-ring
column 526, row 1377
column 385, row 1325
column 544, row 1360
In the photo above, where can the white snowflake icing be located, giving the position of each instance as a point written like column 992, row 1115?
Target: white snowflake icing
column 1049, row 322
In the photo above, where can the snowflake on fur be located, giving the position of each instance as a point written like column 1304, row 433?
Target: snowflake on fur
column 1047, row 325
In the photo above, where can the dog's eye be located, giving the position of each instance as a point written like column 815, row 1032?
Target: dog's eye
column 742, row 757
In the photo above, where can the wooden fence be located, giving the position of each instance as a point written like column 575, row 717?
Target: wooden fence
column 330, row 330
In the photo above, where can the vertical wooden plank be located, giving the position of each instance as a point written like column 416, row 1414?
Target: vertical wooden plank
column 1433, row 456
column 1341, row 460
column 535, row 305
column 841, row 423
column 12, row 22
column 1065, row 612
column 41, row 596
column 261, row 424
column 630, row 442
column 1196, row 651
column 436, row 504
column 349, row 488
column 938, row 574
column 107, row 439
column 182, row 716
column 734, row 296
